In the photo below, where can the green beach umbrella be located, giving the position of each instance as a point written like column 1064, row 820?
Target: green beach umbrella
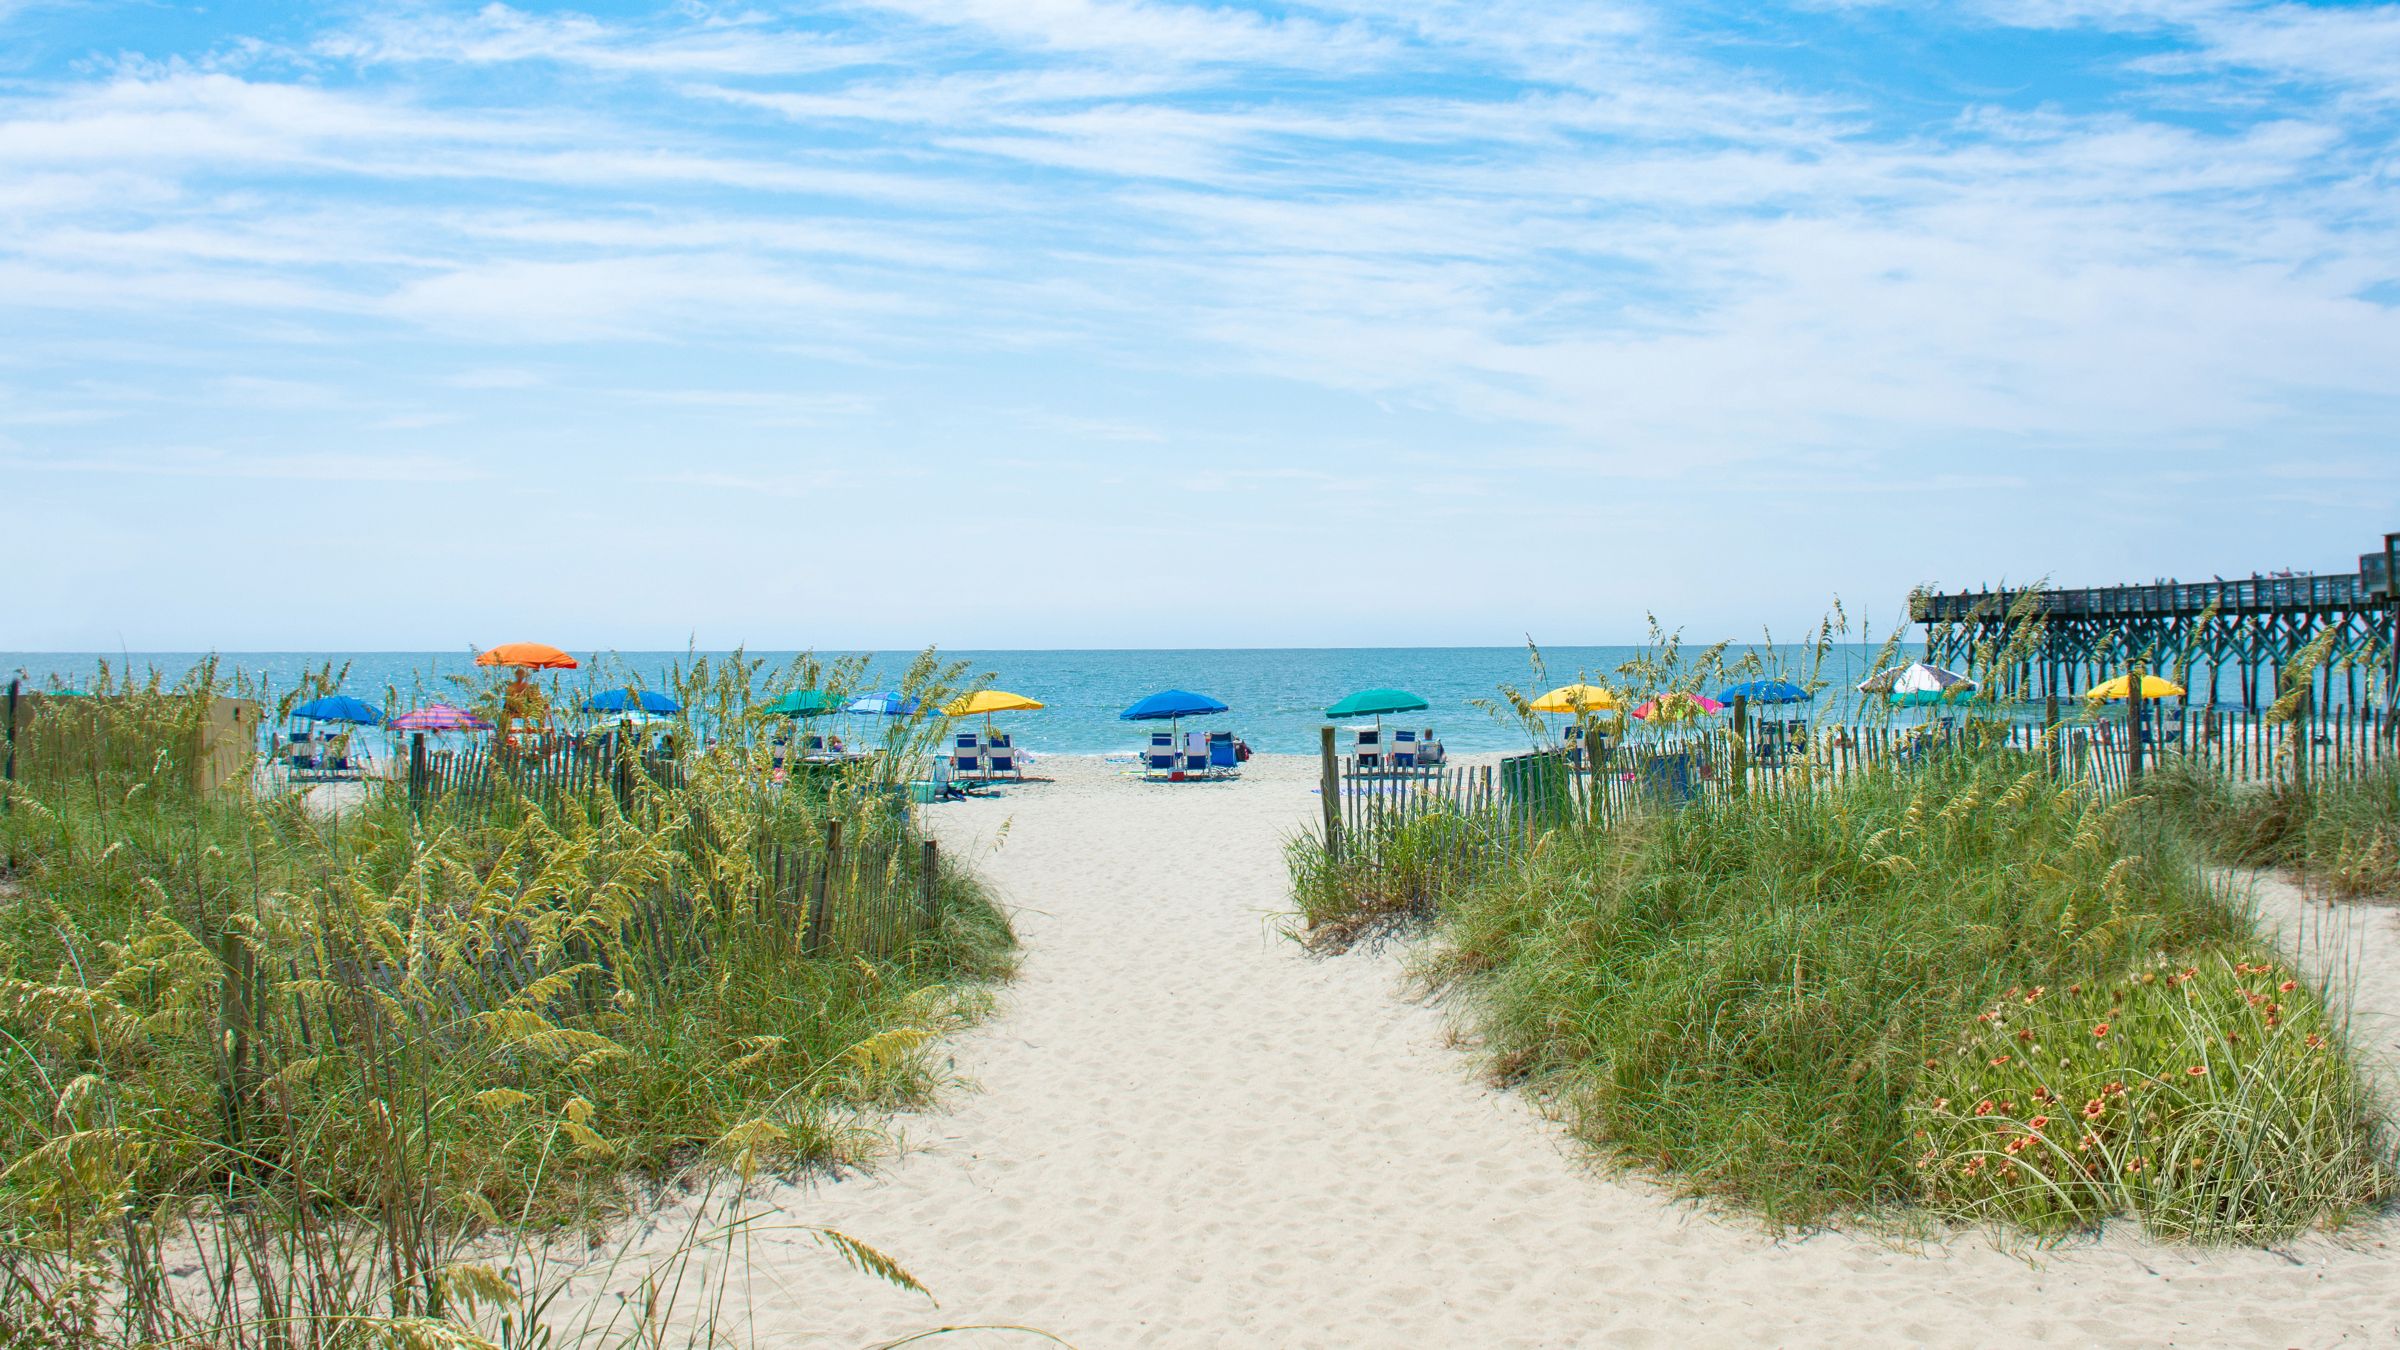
column 801, row 703
column 1375, row 703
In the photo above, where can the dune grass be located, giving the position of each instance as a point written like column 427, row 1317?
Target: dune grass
column 273, row 1077
column 1758, row 998
column 2339, row 834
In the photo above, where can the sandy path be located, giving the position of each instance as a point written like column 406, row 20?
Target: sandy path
column 1184, row 1132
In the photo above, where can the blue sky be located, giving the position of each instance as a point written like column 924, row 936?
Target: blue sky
column 1039, row 323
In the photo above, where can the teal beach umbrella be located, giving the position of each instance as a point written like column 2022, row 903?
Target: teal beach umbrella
column 1375, row 703
column 801, row 703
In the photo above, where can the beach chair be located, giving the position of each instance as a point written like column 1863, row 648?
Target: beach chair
column 1430, row 754
column 1221, row 754
column 1669, row 777
column 301, row 754
column 1001, row 759
column 1366, row 748
column 966, row 758
column 1404, row 749
column 1160, row 757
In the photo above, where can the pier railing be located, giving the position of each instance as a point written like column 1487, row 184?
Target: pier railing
column 2258, row 595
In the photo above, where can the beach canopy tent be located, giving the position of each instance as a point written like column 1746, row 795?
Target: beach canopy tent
column 437, row 717
column 338, row 708
column 883, row 705
column 525, row 656
column 1917, row 683
column 1667, row 709
column 1765, row 692
column 1375, row 703
column 2153, row 686
column 1576, row 698
column 801, row 703
column 627, row 700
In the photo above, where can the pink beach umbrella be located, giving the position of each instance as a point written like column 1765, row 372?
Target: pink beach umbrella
column 438, row 717
column 1677, row 707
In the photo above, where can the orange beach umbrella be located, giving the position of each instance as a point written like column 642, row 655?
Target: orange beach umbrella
column 525, row 656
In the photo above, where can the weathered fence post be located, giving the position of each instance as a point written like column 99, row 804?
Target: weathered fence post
column 416, row 772
column 1741, row 744
column 820, row 908
column 1329, row 779
column 8, row 797
column 2133, row 726
column 237, row 1019
column 927, row 868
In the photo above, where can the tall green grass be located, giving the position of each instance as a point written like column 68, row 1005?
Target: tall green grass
column 2341, row 834
column 1749, row 997
column 274, row 1077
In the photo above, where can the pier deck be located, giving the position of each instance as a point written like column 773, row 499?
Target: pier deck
column 2246, row 629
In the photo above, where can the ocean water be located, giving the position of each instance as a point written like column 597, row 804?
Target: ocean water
column 1277, row 696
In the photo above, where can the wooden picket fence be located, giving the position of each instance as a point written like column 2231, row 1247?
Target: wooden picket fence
column 1433, row 819
column 480, row 776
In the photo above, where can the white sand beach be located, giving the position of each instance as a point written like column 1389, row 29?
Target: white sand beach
column 1179, row 1129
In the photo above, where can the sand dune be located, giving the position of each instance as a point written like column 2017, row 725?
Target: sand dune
column 1180, row 1130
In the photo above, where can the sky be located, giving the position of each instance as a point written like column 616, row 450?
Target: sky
column 1133, row 323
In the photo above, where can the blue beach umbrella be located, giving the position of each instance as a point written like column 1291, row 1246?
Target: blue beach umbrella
column 882, row 705
column 624, row 701
column 1171, row 706
column 1765, row 691
column 339, row 708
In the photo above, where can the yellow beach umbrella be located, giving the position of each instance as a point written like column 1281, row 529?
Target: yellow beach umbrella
column 987, row 702
column 1575, row 698
column 2153, row 686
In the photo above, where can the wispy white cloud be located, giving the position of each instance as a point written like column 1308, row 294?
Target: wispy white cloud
column 1351, row 258
column 501, row 34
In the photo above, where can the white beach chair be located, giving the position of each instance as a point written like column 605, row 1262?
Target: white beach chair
column 1404, row 748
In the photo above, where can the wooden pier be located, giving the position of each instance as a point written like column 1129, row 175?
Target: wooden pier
column 2236, row 636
